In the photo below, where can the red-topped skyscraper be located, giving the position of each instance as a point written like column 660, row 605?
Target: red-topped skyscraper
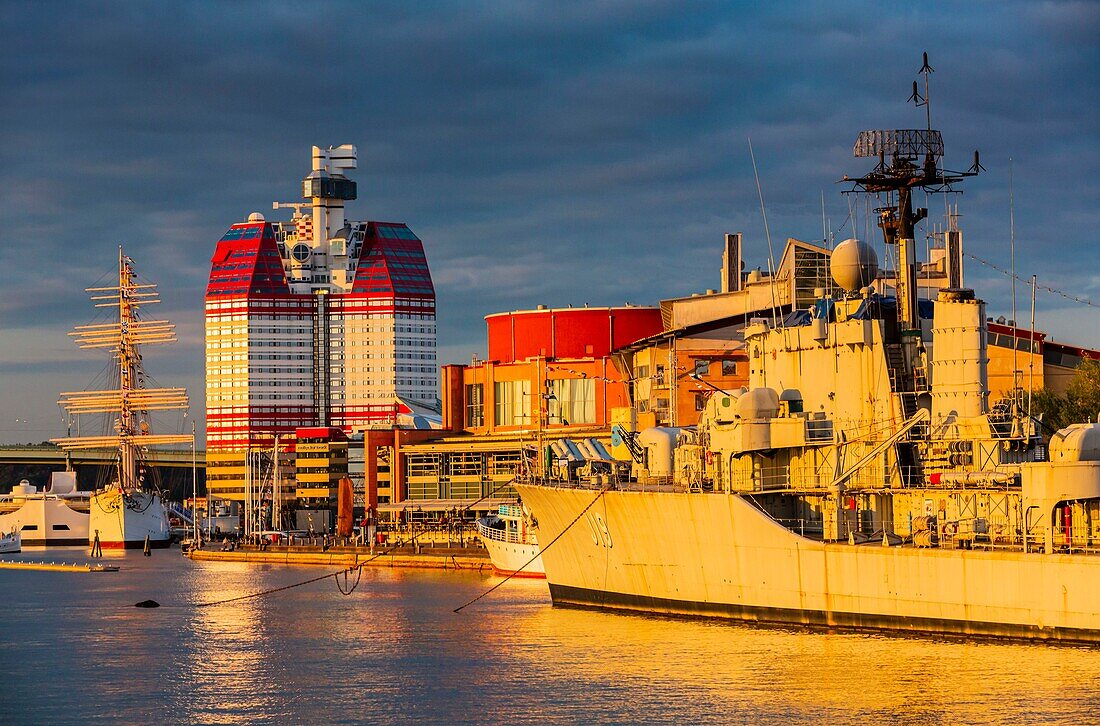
column 314, row 322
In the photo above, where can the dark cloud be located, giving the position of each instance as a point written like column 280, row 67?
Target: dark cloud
column 556, row 153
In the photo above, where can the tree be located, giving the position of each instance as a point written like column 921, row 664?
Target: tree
column 1079, row 404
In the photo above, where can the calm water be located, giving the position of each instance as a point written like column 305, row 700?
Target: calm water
column 74, row 649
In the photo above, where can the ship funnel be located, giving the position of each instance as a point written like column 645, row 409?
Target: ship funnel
column 959, row 373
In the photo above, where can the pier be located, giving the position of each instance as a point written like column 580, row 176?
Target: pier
column 57, row 566
column 436, row 558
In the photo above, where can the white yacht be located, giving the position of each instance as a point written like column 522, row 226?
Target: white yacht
column 56, row 516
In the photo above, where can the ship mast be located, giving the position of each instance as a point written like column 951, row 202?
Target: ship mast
column 131, row 402
column 908, row 159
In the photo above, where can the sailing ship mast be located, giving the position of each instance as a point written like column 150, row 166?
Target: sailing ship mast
column 131, row 402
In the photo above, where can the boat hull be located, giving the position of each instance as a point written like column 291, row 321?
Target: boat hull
column 11, row 543
column 509, row 558
column 716, row 555
column 124, row 522
column 47, row 521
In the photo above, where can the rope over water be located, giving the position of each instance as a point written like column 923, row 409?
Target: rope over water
column 541, row 550
column 342, row 587
column 345, row 586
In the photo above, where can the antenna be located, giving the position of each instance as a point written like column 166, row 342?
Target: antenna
column 1032, row 352
column 925, row 70
column 824, row 225
column 767, row 232
column 296, row 206
column 1012, row 258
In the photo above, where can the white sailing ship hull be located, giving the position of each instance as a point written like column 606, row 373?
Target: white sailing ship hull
column 717, row 555
column 124, row 522
column 46, row 521
column 509, row 558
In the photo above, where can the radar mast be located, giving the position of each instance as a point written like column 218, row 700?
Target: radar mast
column 908, row 159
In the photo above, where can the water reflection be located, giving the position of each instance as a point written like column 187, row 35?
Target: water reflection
column 394, row 651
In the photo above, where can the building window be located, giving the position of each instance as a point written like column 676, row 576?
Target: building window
column 661, row 409
column 475, row 405
column 729, row 368
column 576, row 401
column 512, row 402
column 702, row 367
column 700, row 401
column 659, row 378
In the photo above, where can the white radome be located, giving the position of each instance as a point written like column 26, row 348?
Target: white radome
column 854, row 265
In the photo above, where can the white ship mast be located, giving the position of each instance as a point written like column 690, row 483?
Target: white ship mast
column 131, row 402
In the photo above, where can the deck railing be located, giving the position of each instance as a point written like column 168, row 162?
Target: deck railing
column 501, row 535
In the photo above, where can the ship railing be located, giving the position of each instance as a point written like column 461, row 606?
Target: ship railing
column 802, row 526
column 500, row 535
column 980, row 533
column 1076, row 539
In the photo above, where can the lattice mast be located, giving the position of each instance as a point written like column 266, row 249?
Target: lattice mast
column 130, row 403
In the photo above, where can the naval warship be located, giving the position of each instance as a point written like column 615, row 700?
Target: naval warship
column 863, row 478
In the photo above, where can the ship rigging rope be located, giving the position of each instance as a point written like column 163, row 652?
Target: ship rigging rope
column 505, row 485
column 1054, row 291
column 542, row 549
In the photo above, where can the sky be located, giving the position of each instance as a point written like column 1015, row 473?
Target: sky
column 547, row 153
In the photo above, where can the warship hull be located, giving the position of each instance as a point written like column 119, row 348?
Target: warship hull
column 717, row 555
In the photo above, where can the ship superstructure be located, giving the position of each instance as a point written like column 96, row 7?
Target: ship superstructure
column 862, row 478
column 316, row 321
column 128, row 510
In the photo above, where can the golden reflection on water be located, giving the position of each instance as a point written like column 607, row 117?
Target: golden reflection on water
column 395, row 652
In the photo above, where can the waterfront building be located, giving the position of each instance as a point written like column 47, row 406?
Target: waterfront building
column 318, row 321
column 548, row 374
column 575, row 373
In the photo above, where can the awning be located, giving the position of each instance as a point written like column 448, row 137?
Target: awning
column 443, row 505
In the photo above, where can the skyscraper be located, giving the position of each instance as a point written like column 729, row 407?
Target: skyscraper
column 314, row 322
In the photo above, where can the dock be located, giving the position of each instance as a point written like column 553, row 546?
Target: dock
column 58, row 566
column 435, row 558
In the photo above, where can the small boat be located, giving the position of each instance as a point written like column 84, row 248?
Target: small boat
column 508, row 536
column 11, row 543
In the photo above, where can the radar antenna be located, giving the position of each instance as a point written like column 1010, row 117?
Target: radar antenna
column 908, row 159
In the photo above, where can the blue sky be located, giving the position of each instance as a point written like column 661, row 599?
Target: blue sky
column 555, row 153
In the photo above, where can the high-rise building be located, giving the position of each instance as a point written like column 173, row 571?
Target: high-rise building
column 314, row 322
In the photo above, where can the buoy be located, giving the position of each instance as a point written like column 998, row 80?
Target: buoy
column 147, row 604
column 148, row 551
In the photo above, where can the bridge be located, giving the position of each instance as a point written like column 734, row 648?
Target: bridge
column 52, row 455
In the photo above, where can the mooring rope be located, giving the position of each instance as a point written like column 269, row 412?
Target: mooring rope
column 505, row 485
column 334, row 575
column 541, row 549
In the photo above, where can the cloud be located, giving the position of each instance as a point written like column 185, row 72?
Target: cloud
column 547, row 153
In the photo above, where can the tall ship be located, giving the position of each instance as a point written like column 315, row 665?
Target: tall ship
column 863, row 478
column 125, row 510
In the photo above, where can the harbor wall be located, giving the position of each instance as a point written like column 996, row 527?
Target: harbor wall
column 404, row 557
